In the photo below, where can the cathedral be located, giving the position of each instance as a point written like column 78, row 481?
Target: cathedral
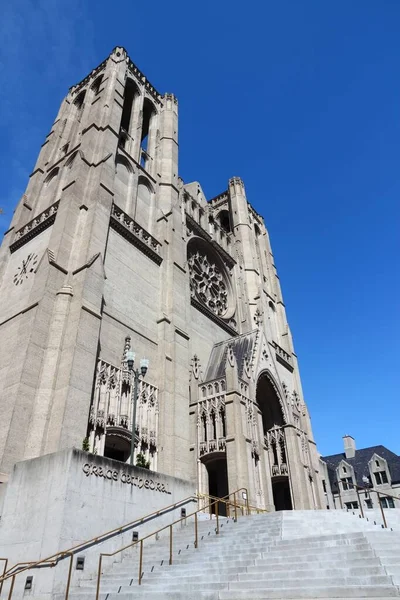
column 142, row 321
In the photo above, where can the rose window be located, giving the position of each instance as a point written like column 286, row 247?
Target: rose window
column 207, row 283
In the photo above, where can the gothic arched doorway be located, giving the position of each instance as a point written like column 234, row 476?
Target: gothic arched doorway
column 274, row 435
column 217, row 470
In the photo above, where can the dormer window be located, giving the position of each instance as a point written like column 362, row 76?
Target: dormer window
column 381, row 477
column 344, row 470
column 377, row 463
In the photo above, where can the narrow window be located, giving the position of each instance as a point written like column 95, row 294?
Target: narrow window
column 204, row 422
column 214, row 424
column 368, row 503
column 130, row 91
column 223, row 423
column 96, row 84
column 324, row 485
column 225, row 220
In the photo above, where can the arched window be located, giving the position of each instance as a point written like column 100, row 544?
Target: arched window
column 122, row 182
column 222, row 416
column 225, row 220
column 214, row 424
column 144, row 200
column 204, row 423
column 95, row 87
column 79, row 100
column 148, row 113
column 131, row 91
column 269, row 405
column 70, row 160
column 51, row 176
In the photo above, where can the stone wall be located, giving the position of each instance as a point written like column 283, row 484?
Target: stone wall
column 60, row 500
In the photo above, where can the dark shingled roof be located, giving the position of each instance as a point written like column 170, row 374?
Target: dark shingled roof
column 242, row 345
column 360, row 464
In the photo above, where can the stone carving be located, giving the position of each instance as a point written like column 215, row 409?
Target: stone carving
column 276, row 445
column 207, row 283
column 37, row 225
column 211, row 424
column 196, row 366
column 111, row 410
column 134, row 233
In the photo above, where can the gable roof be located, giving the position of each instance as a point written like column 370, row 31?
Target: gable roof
column 242, row 346
column 360, row 464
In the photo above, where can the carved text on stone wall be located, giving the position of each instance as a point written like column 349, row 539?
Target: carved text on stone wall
column 115, row 475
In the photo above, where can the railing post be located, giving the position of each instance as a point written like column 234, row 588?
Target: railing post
column 340, row 497
column 234, row 499
column 359, row 502
column 11, row 588
column 71, row 560
column 382, row 511
column 4, row 572
column 140, row 562
column 98, row 577
column 196, row 533
column 247, row 503
column 170, row 544
column 216, row 514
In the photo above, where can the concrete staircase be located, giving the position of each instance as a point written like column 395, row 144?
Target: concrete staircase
column 297, row 554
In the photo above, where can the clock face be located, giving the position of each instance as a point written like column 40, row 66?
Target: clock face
column 28, row 267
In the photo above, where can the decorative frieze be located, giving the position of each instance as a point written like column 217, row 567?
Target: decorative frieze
column 283, row 357
column 275, row 443
column 35, row 226
column 135, row 234
column 211, row 423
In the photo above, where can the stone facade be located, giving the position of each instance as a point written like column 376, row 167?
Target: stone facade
column 109, row 252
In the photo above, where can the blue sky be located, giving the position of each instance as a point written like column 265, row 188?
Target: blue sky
column 299, row 98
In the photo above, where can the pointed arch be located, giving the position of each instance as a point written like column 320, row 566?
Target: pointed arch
column 95, row 87
column 270, row 402
column 51, row 176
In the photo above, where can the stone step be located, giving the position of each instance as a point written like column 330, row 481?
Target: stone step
column 329, row 593
column 358, row 566
column 332, row 577
column 249, row 585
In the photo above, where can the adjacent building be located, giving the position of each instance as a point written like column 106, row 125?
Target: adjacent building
column 369, row 476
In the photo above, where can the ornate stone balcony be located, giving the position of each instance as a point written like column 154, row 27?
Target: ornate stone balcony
column 213, row 446
column 34, row 227
column 134, row 233
column 283, row 357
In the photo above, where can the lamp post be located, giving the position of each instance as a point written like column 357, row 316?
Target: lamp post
column 135, row 374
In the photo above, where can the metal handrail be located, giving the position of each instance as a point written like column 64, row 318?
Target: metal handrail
column 196, row 540
column 247, row 506
column 367, row 491
column 54, row 559
column 4, row 571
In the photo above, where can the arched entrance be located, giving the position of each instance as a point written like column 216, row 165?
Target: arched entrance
column 217, row 471
column 274, row 436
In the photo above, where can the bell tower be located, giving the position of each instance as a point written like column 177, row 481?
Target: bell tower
column 110, row 162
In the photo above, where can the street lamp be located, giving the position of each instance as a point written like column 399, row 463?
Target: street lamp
column 135, row 373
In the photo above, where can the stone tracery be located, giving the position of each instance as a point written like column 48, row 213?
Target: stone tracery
column 207, row 283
